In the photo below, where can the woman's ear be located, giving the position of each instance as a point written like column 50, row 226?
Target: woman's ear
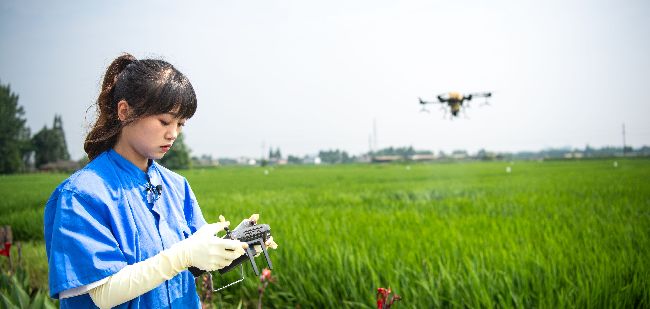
column 122, row 110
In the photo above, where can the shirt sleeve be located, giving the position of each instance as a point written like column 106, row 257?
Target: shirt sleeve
column 193, row 214
column 82, row 247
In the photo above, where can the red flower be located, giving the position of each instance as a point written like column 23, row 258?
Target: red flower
column 383, row 301
column 266, row 275
column 6, row 251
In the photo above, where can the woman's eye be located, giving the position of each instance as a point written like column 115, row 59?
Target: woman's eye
column 181, row 124
column 164, row 123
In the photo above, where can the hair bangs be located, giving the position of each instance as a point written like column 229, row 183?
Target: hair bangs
column 173, row 93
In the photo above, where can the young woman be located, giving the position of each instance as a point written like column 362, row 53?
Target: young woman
column 123, row 230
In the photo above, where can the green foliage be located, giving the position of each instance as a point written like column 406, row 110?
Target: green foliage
column 22, row 202
column 445, row 235
column 50, row 145
column 294, row 160
column 404, row 152
column 275, row 154
column 15, row 292
column 334, row 156
column 178, row 157
column 547, row 234
column 14, row 134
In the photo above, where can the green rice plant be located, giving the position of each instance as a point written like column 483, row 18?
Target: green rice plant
column 547, row 234
column 16, row 292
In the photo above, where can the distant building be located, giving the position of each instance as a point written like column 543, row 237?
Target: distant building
column 573, row 155
column 422, row 157
column 384, row 159
column 311, row 160
column 278, row 161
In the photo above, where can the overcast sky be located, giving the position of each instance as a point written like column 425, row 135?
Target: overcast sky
column 308, row 75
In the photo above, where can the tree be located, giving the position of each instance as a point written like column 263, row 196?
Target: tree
column 334, row 156
column 14, row 135
column 294, row 160
column 178, row 156
column 275, row 154
column 50, row 145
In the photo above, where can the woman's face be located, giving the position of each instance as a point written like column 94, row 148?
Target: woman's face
column 149, row 138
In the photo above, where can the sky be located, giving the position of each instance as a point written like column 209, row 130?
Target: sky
column 305, row 76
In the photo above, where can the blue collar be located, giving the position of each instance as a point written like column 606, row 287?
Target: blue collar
column 130, row 169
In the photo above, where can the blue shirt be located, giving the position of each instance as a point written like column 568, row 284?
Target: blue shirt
column 103, row 218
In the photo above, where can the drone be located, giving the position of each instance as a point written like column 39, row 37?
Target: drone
column 454, row 101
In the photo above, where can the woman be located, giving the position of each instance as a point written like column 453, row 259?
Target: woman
column 123, row 230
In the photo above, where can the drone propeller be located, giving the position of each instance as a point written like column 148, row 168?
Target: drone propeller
column 481, row 94
column 485, row 95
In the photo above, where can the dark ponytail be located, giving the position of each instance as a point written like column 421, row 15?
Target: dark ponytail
column 104, row 133
column 149, row 87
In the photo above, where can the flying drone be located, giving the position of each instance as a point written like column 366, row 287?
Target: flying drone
column 454, row 101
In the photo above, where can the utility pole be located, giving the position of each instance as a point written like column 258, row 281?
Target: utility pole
column 374, row 131
column 624, row 139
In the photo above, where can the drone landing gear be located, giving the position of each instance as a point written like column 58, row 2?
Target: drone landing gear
column 465, row 114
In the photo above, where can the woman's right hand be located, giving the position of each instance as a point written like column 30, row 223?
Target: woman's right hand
column 208, row 252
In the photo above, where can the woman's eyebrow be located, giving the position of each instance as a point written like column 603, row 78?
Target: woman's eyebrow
column 176, row 116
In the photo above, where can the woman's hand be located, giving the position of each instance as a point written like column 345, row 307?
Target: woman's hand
column 206, row 251
column 269, row 243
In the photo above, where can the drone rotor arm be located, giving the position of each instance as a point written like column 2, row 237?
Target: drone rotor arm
column 481, row 94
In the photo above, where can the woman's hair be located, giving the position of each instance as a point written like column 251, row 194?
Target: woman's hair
column 149, row 86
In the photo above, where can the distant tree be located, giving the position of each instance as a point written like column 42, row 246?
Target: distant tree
column 226, row 161
column 49, row 144
column 334, row 156
column 275, row 154
column 15, row 145
column 294, row 160
column 178, row 156
column 404, row 152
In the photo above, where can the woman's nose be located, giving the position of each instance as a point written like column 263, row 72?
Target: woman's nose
column 172, row 134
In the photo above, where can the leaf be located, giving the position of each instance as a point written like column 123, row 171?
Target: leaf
column 19, row 295
column 7, row 302
column 48, row 304
column 37, row 302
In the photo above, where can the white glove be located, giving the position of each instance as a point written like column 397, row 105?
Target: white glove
column 253, row 218
column 269, row 243
column 208, row 252
column 203, row 250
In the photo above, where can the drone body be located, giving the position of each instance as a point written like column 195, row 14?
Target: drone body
column 454, row 101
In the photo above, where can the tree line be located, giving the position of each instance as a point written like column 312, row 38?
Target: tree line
column 47, row 149
column 19, row 151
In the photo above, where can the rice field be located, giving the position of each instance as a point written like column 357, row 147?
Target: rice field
column 546, row 234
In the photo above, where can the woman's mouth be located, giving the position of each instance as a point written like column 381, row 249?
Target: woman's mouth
column 165, row 148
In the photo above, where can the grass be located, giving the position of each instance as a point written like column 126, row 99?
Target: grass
column 548, row 234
